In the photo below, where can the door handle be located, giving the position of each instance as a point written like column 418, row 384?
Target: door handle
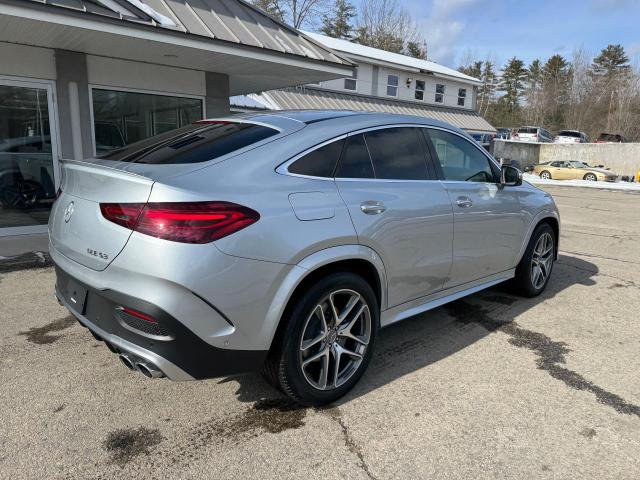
column 464, row 202
column 372, row 207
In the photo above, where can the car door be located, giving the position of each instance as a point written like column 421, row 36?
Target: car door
column 557, row 170
column 398, row 208
column 489, row 225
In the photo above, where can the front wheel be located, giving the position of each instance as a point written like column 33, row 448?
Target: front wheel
column 534, row 270
column 590, row 177
column 327, row 342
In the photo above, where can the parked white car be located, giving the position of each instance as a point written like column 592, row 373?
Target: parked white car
column 532, row 134
column 571, row 136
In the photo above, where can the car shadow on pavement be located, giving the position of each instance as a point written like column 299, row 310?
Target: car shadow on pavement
column 420, row 341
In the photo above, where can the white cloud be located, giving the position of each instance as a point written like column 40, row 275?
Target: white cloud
column 442, row 28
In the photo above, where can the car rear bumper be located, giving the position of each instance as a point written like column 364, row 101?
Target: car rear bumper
column 178, row 352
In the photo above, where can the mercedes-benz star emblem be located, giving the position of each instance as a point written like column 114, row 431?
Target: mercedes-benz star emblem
column 68, row 212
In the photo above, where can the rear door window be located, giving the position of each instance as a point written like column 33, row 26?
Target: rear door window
column 397, row 153
column 195, row 143
column 355, row 161
column 319, row 163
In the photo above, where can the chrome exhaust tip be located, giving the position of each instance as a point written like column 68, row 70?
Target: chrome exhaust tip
column 149, row 370
column 127, row 361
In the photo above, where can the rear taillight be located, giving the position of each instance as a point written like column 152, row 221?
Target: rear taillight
column 194, row 222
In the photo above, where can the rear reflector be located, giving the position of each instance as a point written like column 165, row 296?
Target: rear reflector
column 135, row 313
column 194, row 222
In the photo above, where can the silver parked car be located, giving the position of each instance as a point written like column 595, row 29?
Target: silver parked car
column 284, row 241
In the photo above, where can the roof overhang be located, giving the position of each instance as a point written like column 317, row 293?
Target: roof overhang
column 313, row 98
column 250, row 69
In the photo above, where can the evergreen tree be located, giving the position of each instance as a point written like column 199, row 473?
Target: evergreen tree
column 512, row 83
column 611, row 61
column 338, row 24
column 473, row 70
column 414, row 49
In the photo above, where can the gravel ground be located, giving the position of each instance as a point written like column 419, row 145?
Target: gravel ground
column 492, row 386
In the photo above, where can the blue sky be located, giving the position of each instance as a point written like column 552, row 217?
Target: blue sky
column 527, row 29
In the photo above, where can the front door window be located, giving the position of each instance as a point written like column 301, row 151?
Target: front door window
column 27, row 186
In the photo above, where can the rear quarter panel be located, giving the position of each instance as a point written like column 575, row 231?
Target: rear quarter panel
column 279, row 236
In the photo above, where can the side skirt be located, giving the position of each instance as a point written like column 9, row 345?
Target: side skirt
column 435, row 300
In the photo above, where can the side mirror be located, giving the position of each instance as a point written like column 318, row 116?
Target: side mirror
column 510, row 176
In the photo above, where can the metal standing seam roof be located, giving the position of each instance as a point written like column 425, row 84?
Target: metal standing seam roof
column 232, row 21
column 312, row 98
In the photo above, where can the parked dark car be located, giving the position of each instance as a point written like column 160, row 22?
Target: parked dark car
column 611, row 138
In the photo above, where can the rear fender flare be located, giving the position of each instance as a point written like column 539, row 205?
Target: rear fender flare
column 311, row 263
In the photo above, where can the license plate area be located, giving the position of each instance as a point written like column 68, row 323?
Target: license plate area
column 74, row 294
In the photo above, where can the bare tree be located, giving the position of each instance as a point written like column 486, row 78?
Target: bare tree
column 297, row 13
column 385, row 24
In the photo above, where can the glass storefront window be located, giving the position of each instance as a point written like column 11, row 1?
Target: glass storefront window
column 27, row 186
column 121, row 118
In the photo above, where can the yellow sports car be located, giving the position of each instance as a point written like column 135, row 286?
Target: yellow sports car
column 573, row 170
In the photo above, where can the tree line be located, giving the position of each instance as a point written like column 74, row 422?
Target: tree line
column 383, row 24
column 593, row 95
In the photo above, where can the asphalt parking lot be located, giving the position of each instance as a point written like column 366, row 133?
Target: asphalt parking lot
column 492, row 386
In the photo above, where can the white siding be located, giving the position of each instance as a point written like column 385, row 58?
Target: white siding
column 24, row 61
column 365, row 86
column 144, row 76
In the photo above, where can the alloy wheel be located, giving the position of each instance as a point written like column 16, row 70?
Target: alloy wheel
column 542, row 260
column 335, row 338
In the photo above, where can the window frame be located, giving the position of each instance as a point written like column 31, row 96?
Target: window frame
column 462, row 95
column 433, row 165
column 396, row 86
column 493, row 164
column 422, row 90
column 353, row 78
column 93, row 86
column 442, row 94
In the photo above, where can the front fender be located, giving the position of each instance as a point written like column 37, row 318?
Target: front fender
column 546, row 213
column 311, row 263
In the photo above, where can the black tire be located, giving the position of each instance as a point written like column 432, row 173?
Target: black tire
column 283, row 368
column 590, row 177
column 523, row 281
column 548, row 173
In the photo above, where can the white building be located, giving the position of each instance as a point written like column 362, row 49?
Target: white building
column 385, row 82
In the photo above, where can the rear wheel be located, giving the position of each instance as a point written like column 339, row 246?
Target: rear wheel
column 591, row 177
column 534, row 269
column 327, row 342
column 545, row 175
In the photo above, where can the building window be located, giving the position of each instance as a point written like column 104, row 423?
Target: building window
column 439, row 93
column 462, row 95
column 352, row 83
column 392, row 85
column 419, row 89
column 121, row 118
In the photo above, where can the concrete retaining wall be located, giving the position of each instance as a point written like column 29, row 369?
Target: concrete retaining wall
column 622, row 158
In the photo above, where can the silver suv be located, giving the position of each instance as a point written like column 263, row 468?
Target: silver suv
column 284, row 241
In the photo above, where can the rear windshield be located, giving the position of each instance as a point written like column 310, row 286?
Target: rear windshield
column 568, row 133
column 196, row 143
column 528, row 130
